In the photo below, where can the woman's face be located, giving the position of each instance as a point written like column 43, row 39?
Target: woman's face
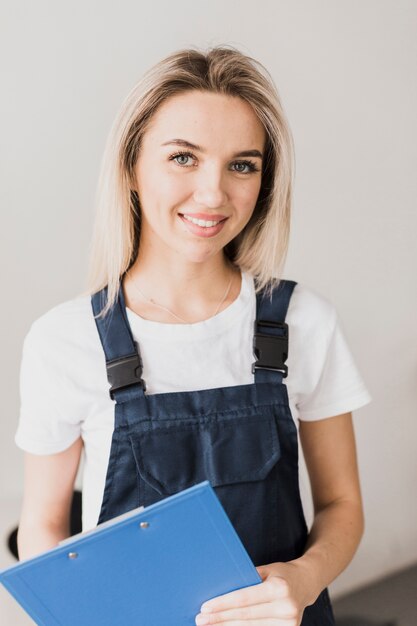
column 215, row 180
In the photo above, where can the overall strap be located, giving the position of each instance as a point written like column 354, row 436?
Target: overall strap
column 123, row 361
column 270, row 339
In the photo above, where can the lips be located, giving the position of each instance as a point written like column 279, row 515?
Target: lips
column 205, row 216
column 202, row 231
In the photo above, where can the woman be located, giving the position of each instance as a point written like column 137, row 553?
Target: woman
column 190, row 239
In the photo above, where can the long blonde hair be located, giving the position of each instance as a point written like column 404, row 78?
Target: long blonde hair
column 261, row 247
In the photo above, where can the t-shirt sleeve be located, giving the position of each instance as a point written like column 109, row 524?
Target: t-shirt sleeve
column 46, row 423
column 338, row 386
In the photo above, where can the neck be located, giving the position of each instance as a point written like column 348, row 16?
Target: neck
column 191, row 290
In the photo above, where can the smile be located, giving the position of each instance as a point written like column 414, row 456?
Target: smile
column 202, row 228
column 204, row 223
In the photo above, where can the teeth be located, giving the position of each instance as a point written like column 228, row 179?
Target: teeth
column 204, row 223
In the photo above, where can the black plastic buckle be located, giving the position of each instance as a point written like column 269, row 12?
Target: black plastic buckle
column 271, row 351
column 124, row 372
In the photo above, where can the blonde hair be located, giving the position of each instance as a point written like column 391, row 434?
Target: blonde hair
column 261, row 247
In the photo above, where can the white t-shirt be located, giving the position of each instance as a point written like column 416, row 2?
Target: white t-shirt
column 65, row 393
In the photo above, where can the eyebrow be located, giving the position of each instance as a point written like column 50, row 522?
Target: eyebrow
column 192, row 146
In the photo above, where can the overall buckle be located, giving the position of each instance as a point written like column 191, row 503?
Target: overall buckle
column 271, row 351
column 124, row 372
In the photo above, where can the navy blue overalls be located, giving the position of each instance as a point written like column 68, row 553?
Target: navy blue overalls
column 242, row 439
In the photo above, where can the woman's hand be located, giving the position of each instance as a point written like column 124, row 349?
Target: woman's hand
column 279, row 600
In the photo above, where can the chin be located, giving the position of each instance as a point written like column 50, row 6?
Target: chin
column 197, row 256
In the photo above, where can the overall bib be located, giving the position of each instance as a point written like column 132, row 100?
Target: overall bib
column 242, row 439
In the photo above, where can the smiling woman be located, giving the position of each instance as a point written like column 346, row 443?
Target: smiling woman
column 190, row 357
column 178, row 240
column 233, row 158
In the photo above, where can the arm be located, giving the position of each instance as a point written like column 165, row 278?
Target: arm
column 330, row 454
column 48, row 491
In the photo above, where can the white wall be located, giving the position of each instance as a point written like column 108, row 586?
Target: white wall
column 346, row 74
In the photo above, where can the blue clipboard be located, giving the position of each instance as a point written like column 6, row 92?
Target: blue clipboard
column 152, row 566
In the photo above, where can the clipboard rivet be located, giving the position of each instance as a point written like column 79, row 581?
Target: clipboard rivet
column 72, row 555
column 144, row 524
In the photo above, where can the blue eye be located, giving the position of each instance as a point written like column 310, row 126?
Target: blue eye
column 249, row 164
column 180, row 154
column 252, row 167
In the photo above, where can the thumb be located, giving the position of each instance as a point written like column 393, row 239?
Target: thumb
column 262, row 571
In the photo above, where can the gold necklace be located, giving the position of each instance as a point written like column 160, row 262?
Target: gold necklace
column 171, row 312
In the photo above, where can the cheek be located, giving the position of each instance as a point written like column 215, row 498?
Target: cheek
column 246, row 193
column 156, row 181
column 169, row 190
column 246, row 215
column 246, row 203
column 160, row 195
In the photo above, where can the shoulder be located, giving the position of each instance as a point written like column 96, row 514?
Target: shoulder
column 70, row 324
column 71, row 312
column 62, row 350
column 323, row 378
column 62, row 375
column 310, row 312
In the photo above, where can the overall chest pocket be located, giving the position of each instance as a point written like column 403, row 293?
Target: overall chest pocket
column 225, row 448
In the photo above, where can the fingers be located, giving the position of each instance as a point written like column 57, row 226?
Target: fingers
column 267, row 591
column 268, row 603
column 258, row 613
column 259, row 622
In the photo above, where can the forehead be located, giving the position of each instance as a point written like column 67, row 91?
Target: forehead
column 200, row 117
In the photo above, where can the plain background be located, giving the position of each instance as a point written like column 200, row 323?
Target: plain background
column 346, row 73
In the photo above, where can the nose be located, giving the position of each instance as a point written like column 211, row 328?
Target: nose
column 210, row 189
